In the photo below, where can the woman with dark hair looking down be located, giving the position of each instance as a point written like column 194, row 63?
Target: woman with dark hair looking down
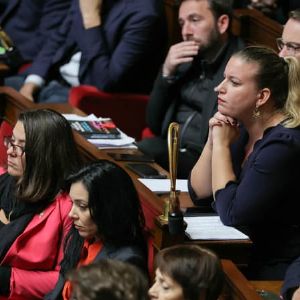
column 108, row 221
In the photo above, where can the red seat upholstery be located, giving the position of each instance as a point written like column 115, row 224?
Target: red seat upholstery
column 126, row 110
column 150, row 247
column 24, row 67
column 5, row 130
column 147, row 133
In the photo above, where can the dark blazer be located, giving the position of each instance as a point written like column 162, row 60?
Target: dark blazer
column 291, row 280
column 3, row 4
column 130, row 254
column 123, row 54
column 30, row 22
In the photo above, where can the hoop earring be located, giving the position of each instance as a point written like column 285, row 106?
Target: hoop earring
column 256, row 113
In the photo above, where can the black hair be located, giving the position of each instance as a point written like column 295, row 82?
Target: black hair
column 114, row 206
column 219, row 7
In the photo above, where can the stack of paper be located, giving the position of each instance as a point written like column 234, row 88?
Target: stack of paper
column 123, row 142
column 211, row 228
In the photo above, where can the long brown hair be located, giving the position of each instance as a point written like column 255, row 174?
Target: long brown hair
column 50, row 155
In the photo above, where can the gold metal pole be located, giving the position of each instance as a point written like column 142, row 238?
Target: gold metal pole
column 172, row 203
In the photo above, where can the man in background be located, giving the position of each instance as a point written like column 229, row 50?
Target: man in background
column 29, row 23
column 114, row 45
column 184, row 89
column 289, row 43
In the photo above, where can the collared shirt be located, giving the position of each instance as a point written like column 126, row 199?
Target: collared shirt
column 88, row 255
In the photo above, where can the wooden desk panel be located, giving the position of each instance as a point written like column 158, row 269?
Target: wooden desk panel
column 237, row 287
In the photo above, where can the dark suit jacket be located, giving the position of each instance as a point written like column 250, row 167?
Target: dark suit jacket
column 123, row 54
column 30, row 22
column 130, row 254
column 291, row 280
column 3, row 4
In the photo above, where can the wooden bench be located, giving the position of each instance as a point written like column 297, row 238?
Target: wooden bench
column 255, row 28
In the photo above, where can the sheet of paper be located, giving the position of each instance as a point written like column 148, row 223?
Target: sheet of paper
column 163, row 185
column 211, row 228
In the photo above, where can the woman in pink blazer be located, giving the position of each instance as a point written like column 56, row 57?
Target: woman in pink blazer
column 33, row 210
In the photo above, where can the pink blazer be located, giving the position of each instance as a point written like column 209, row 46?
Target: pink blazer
column 36, row 253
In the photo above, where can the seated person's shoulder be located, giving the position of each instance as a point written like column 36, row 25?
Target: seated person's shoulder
column 2, row 170
column 63, row 202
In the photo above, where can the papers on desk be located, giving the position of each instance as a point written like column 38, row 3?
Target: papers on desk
column 123, row 142
column 211, row 228
column 161, row 186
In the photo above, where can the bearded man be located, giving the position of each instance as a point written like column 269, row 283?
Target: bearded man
column 184, row 89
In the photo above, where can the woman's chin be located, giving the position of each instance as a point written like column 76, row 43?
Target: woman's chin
column 13, row 172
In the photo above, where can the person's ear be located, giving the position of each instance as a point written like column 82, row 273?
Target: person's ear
column 263, row 96
column 223, row 23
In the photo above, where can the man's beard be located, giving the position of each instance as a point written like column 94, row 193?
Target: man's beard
column 212, row 47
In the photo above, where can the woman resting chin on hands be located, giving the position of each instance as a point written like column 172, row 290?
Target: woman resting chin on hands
column 252, row 170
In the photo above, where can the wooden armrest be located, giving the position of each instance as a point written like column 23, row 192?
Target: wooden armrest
column 273, row 286
column 236, row 285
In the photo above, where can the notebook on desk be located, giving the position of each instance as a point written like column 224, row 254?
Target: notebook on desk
column 111, row 142
column 104, row 129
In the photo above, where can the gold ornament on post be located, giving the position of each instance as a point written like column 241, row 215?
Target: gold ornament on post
column 172, row 213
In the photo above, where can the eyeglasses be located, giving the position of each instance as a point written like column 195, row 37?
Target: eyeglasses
column 293, row 48
column 18, row 150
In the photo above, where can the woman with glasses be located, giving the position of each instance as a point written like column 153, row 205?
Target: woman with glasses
column 289, row 44
column 33, row 210
column 108, row 222
column 251, row 160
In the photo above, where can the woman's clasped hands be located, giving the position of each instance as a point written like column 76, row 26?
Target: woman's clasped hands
column 223, row 130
